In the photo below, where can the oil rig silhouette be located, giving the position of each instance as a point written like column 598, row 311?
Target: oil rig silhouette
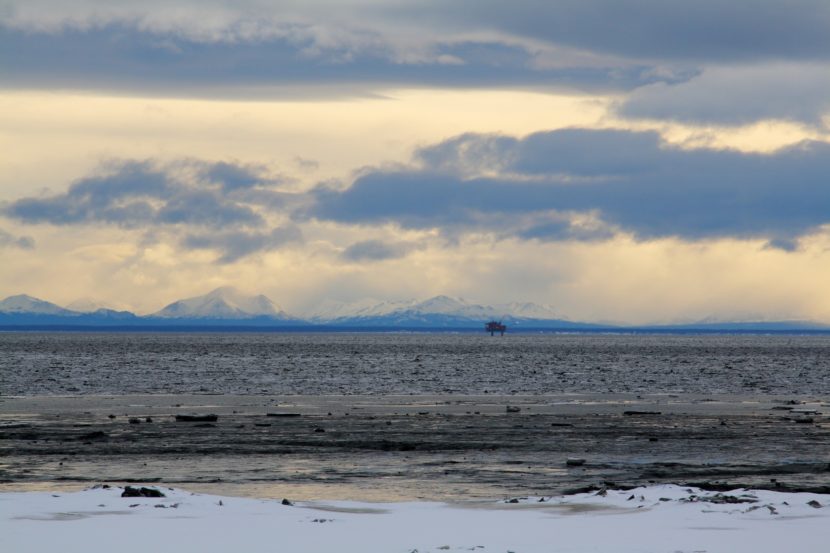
column 495, row 326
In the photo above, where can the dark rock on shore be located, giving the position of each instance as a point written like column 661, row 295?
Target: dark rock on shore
column 197, row 418
column 130, row 491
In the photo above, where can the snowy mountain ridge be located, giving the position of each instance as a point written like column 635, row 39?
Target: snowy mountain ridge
column 228, row 303
column 222, row 303
column 23, row 303
column 438, row 305
column 228, row 306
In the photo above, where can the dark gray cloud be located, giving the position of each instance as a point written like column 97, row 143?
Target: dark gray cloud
column 119, row 196
column 135, row 194
column 208, row 208
column 305, row 50
column 232, row 176
column 695, row 30
column 235, row 245
column 376, row 250
column 738, row 95
column 119, row 57
column 586, row 184
column 709, row 30
column 8, row 240
column 558, row 226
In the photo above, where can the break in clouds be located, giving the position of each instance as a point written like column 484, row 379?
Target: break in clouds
column 564, row 185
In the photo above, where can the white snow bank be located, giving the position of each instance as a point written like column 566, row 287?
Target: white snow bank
column 664, row 519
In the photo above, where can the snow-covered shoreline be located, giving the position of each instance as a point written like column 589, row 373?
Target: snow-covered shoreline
column 664, row 518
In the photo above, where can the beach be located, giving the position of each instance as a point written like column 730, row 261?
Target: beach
column 660, row 469
column 644, row 520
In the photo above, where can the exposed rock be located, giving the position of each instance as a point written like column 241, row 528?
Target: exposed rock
column 197, row 418
column 129, row 491
column 720, row 498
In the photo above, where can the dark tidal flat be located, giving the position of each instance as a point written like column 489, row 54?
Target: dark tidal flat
column 405, row 416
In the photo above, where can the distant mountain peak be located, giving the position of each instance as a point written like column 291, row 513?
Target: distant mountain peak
column 24, row 303
column 225, row 302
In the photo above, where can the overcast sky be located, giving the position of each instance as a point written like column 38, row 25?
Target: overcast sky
column 639, row 161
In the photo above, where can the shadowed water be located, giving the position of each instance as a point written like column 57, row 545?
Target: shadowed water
column 345, row 364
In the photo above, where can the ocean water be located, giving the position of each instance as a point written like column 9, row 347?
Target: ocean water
column 71, row 363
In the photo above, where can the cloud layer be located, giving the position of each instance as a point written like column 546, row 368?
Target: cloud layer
column 588, row 184
column 119, row 57
column 735, row 95
column 572, row 184
column 701, row 62
column 139, row 193
column 704, row 30
column 220, row 204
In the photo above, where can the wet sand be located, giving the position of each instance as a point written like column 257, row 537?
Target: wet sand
column 416, row 447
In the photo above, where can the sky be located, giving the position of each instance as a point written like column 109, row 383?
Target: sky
column 646, row 161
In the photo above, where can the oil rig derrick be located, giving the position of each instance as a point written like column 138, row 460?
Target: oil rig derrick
column 495, row 326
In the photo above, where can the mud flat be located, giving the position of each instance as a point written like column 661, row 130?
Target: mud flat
column 415, row 447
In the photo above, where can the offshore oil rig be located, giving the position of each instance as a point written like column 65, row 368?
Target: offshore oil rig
column 495, row 326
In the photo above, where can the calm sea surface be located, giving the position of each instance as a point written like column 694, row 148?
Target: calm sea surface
column 429, row 363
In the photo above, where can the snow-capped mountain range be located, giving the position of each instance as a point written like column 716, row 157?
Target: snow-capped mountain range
column 29, row 305
column 229, row 305
column 438, row 306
